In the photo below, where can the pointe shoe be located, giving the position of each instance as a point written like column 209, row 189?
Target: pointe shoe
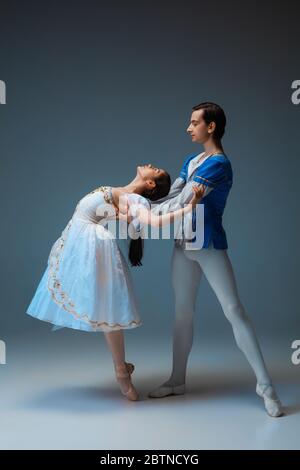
column 123, row 375
column 272, row 403
column 130, row 367
column 167, row 390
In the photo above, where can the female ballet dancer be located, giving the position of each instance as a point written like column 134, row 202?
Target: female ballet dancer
column 87, row 284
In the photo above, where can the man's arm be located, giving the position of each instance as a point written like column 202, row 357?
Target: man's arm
column 175, row 189
column 211, row 174
column 184, row 195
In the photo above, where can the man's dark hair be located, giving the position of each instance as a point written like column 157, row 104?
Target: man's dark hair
column 212, row 112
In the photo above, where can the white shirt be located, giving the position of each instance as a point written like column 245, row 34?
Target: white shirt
column 195, row 163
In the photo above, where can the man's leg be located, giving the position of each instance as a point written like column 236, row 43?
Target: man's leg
column 186, row 275
column 218, row 270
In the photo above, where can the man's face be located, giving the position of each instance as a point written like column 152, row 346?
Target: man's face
column 198, row 129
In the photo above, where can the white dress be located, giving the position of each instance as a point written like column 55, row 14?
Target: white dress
column 87, row 284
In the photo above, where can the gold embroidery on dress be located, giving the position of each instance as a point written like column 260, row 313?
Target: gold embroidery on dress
column 54, row 285
column 106, row 193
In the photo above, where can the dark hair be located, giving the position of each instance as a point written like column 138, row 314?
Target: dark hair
column 212, row 112
column 161, row 189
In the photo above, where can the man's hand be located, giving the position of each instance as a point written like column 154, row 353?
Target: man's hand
column 198, row 194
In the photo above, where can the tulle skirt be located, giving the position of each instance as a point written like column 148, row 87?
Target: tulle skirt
column 87, row 284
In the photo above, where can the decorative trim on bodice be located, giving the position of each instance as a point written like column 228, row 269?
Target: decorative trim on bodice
column 107, row 194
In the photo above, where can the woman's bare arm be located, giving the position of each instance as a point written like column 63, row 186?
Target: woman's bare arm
column 146, row 217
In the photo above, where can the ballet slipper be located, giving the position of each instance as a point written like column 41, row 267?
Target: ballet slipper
column 123, row 377
column 272, row 403
column 130, row 367
column 166, row 390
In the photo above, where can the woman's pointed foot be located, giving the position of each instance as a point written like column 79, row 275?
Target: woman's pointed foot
column 123, row 373
column 272, row 403
column 130, row 367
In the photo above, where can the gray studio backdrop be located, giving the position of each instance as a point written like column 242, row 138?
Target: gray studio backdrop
column 95, row 88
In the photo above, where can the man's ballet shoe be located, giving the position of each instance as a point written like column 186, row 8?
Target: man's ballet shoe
column 124, row 379
column 272, row 403
column 167, row 390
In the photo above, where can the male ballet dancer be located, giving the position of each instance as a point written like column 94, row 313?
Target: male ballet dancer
column 213, row 169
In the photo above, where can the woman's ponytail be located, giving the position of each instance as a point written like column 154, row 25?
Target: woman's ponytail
column 135, row 254
column 161, row 189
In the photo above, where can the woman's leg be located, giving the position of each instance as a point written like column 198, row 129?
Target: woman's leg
column 115, row 342
column 218, row 270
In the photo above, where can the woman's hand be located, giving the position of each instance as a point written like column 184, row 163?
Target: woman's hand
column 121, row 216
column 198, row 194
column 123, row 209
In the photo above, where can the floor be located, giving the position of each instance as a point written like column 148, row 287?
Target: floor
column 58, row 392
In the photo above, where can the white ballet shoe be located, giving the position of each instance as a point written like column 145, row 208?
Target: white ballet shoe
column 272, row 403
column 167, row 390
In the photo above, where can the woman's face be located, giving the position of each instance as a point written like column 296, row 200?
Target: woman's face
column 199, row 131
column 149, row 172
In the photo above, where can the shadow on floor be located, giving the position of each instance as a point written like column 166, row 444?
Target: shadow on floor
column 202, row 386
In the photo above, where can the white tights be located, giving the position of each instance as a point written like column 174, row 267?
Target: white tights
column 187, row 269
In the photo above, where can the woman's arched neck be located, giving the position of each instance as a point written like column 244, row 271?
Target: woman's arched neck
column 135, row 186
